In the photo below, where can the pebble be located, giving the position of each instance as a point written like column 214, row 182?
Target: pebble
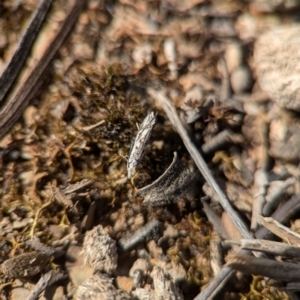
column 241, row 79
column 233, row 55
column 277, row 64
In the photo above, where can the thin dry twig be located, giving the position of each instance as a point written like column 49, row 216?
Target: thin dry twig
column 261, row 180
column 216, row 254
column 23, row 93
column 27, row 38
column 138, row 236
column 282, row 214
column 278, row 270
column 286, row 234
column 214, row 219
column 45, row 281
column 218, row 141
column 271, row 247
column 274, row 194
column 37, row 245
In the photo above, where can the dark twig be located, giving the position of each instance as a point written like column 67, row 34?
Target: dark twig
column 277, row 270
column 27, row 38
column 218, row 141
column 45, row 281
column 17, row 102
column 37, row 245
column 139, row 236
column 275, row 193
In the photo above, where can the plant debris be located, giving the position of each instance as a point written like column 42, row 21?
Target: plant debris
column 175, row 183
column 220, row 174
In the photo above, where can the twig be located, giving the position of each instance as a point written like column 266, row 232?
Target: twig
column 282, row 214
column 37, row 245
column 28, row 36
column 285, row 233
column 261, row 179
column 214, row 219
column 199, row 161
column 270, row 247
column 138, row 236
column 274, row 195
column 278, row 270
column 23, row 93
column 217, row 141
column 45, row 281
column 216, row 254
column 216, row 284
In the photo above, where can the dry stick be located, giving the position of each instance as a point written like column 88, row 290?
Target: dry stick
column 217, row 141
column 45, row 281
column 286, row 234
column 28, row 36
column 261, row 180
column 201, row 164
column 138, row 236
column 15, row 105
column 270, row 247
column 278, row 270
column 282, row 214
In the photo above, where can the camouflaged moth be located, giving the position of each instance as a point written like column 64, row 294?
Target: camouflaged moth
column 138, row 147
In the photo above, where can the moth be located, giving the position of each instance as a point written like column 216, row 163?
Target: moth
column 138, row 147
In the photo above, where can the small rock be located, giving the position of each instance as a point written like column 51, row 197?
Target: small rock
column 124, row 283
column 241, row 80
column 77, row 271
column 20, row 290
column 164, row 287
column 233, row 56
column 277, row 63
column 142, row 55
column 284, row 140
column 223, row 27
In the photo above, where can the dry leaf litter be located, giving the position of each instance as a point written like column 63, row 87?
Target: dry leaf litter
column 231, row 69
